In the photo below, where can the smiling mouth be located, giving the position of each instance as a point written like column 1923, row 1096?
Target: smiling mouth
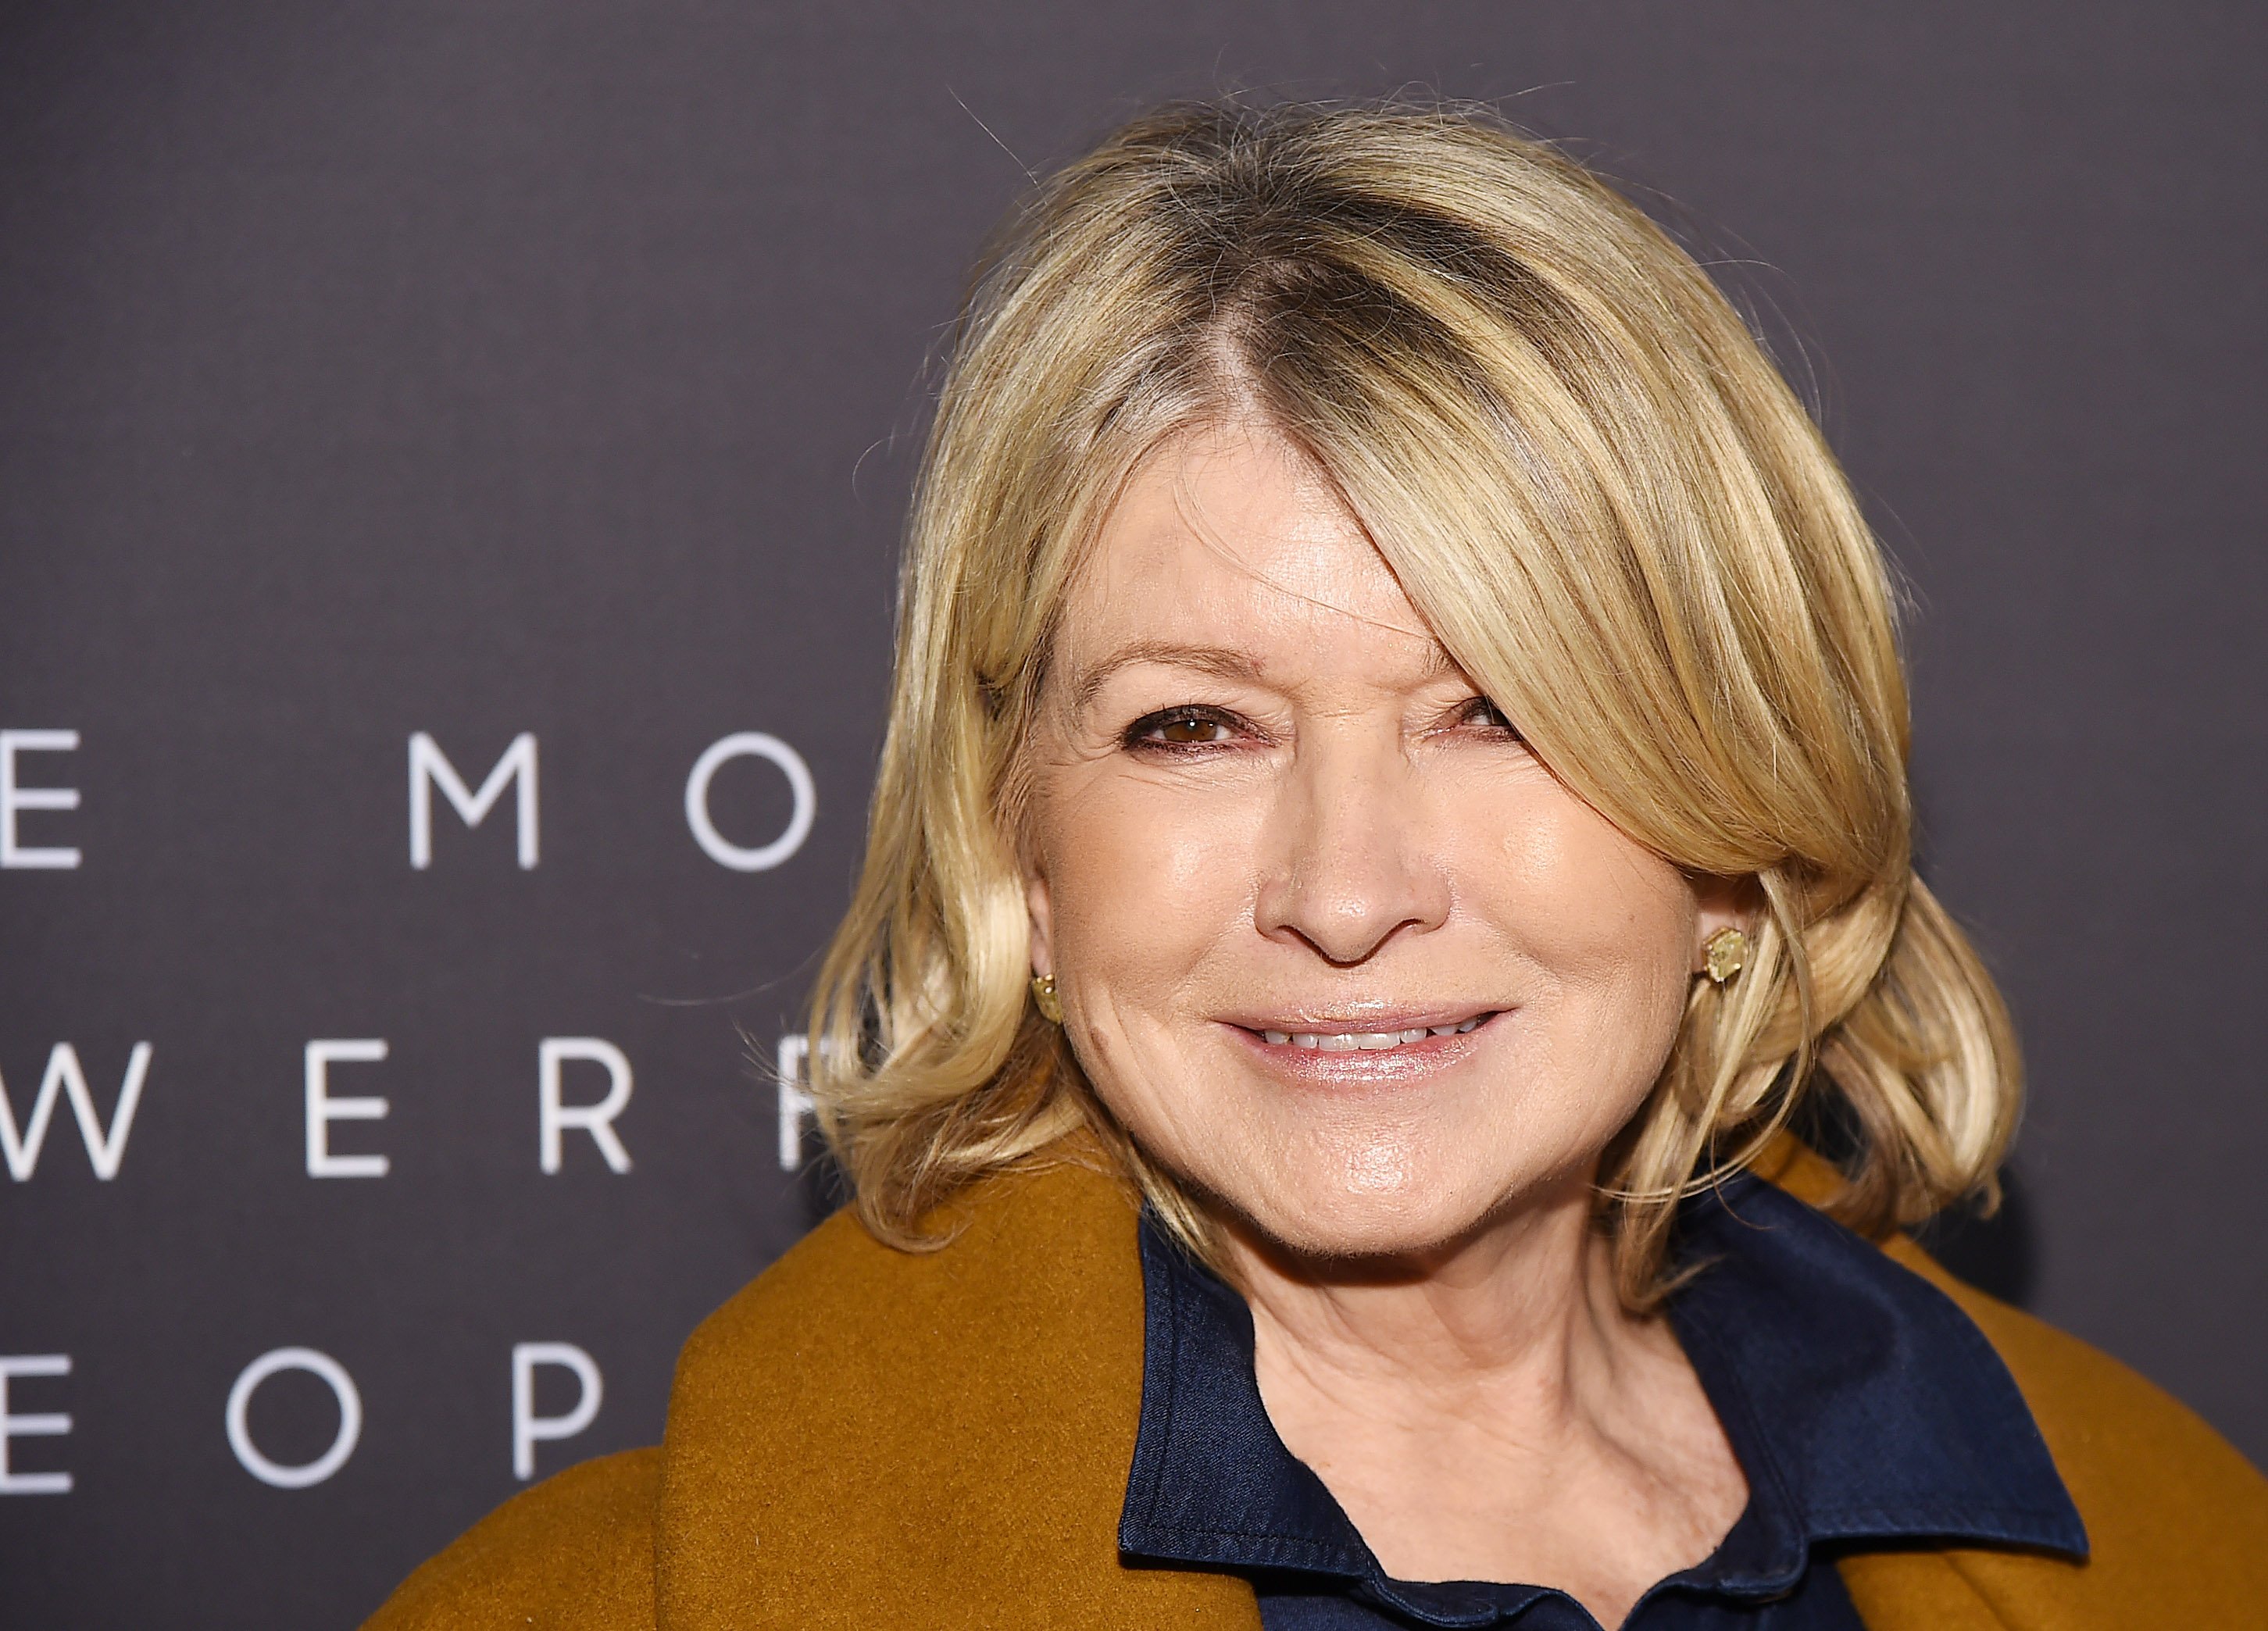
column 1368, row 1041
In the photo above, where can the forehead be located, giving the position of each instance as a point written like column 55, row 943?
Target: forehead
column 1233, row 538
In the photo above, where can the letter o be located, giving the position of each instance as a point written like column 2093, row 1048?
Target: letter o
column 744, row 744
column 239, row 1401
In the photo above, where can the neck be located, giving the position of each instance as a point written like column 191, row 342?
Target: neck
column 1488, row 1410
column 1522, row 1311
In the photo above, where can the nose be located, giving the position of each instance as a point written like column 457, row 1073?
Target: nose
column 1349, row 859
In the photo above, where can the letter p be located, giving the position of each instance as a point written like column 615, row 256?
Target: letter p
column 529, row 1430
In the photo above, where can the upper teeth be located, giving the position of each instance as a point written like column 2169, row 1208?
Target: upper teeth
column 1348, row 1041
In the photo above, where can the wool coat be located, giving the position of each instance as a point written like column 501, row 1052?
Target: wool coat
column 866, row 1437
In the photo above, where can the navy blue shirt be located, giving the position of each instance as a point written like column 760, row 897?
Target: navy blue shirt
column 1864, row 1406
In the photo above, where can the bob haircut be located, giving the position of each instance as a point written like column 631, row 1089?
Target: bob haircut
column 1617, row 517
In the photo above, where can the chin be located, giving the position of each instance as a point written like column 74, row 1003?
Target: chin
column 1378, row 1204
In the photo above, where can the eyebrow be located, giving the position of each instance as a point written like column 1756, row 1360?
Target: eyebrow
column 1226, row 661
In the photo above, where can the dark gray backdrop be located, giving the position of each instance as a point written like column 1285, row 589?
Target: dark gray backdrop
column 483, row 369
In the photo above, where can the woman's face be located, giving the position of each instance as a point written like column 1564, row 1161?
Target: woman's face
column 1331, row 943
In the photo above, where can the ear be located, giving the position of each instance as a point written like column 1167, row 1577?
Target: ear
column 1723, row 903
column 1041, row 911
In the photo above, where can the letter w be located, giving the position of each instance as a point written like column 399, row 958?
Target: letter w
column 104, row 1148
column 430, row 767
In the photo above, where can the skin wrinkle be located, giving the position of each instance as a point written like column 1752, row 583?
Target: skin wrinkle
column 1244, row 409
column 1436, row 1325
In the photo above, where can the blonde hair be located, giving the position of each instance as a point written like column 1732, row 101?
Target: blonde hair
column 1619, row 521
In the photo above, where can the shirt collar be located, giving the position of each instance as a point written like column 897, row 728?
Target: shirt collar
column 1862, row 1403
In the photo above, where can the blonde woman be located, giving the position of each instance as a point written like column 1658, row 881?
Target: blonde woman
column 1395, row 801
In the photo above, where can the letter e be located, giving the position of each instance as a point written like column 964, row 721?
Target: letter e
column 322, row 1109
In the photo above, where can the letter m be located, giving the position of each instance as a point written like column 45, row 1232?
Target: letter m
column 430, row 767
column 105, row 1147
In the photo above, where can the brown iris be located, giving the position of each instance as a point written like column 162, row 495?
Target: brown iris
column 1189, row 728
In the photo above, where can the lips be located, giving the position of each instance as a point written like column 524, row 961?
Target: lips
column 1389, row 1050
column 1366, row 1041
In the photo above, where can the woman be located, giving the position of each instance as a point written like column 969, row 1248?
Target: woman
column 1394, row 805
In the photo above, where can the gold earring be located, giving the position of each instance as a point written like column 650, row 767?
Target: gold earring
column 1043, row 992
column 1726, row 952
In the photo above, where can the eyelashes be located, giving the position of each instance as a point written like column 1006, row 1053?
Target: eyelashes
column 1181, row 728
column 1480, row 711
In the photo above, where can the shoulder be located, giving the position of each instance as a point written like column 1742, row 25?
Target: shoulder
column 1014, row 1247
column 2176, row 1519
column 824, row 1418
column 866, row 1433
column 574, row 1553
column 848, row 1348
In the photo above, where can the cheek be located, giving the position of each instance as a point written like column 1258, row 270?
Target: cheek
column 1608, row 924
column 1142, row 880
column 1148, row 889
column 1567, row 878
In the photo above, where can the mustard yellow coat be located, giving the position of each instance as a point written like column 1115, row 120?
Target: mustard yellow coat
column 865, row 1437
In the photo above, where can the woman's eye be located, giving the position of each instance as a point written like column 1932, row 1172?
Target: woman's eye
column 1181, row 727
column 1482, row 712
